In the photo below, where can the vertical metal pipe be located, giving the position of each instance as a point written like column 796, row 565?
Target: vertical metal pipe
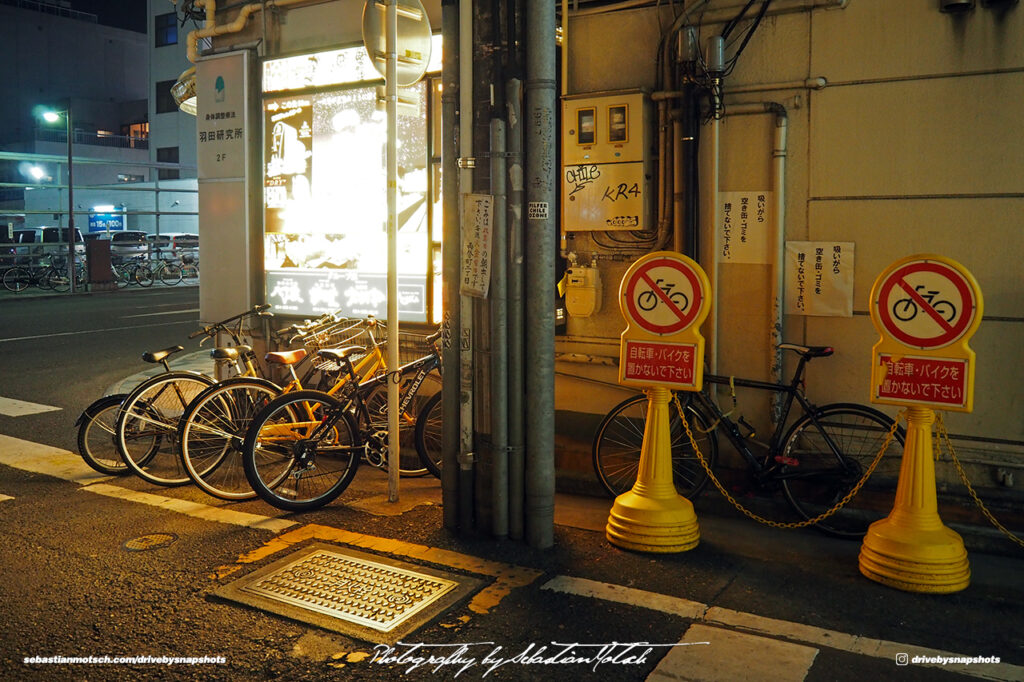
column 499, row 334
column 391, row 99
column 451, row 258
column 515, row 308
column 678, row 195
column 466, row 456
column 779, row 261
column 540, row 270
column 716, row 125
column 71, row 203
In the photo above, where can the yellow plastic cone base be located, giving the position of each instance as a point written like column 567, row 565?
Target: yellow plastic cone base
column 652, row 524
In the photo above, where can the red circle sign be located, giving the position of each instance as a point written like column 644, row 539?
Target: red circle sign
column 663, row 296
column 925, row 304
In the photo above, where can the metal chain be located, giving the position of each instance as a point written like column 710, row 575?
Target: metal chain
column 944, row 436
column 793, row 524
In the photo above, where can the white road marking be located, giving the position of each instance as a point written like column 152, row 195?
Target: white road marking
column 4, row 498
column 166, row 312
column 45, row 459
column 731, row 655
column 88, row 331
column 20, row 408
column 777, row 629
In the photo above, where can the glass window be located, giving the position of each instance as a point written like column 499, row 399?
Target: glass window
column 165, row 103
column 167, row 155
column 165, row 29
column 325, row 202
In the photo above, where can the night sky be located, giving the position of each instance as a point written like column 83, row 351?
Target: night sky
column 129, row 14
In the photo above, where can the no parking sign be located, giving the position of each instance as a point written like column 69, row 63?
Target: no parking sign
column 926, row 308
column 664, row 296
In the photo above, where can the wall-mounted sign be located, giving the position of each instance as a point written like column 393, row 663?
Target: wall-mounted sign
column 819, row 278
column 744, row 230
column 221, row 119
column 477, row 213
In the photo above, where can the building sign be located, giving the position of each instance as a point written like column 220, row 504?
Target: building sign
column 106, row 222
column 819, row 278
column 221, row 120
column 476, row 246
column 325, row 195
column 744, row 230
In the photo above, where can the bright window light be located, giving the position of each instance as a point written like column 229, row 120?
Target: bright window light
column 51, row 116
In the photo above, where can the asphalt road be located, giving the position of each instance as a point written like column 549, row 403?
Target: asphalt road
column 773, row 604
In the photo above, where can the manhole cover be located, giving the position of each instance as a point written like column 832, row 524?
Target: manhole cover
column 370, row 597
column 144, row 543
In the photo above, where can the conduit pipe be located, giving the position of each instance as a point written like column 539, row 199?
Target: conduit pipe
column 499, row 333
column 516, row 387
column 467, row 162
column 721, row 14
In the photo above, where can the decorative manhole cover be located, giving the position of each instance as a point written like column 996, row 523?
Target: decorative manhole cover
column 144, row 543
column 357, row 590
column 366, row 596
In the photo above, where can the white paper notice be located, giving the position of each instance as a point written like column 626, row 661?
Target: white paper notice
column 819, row 278
column 744, row 227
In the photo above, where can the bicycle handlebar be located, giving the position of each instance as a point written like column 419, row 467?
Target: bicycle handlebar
column 212, row 329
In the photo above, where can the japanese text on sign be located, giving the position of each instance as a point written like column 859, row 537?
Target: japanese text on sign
column 924, row 380
column 660, row 363
column 745, row 226
column 819, row 278
column 476, row 252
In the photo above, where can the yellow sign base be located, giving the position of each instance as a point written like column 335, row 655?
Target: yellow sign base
column 911, row 549
column 653, row 517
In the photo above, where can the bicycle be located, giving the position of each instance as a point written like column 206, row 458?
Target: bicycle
column 303, row 449
column 155, row 407
column 905, row 309
column 815, row 459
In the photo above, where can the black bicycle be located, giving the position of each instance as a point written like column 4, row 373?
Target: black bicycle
column 815, row 460
column 303, row 449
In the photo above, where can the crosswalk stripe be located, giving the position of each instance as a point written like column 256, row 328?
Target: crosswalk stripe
column 20, row 408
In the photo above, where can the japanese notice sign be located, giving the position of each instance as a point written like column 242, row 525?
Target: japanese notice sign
column 221, row 121
column 664, row 297
column 743, row 233
column 819, row 278
column 476, row 245
column 926, row 308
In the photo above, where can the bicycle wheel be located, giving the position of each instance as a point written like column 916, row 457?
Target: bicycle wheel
column 286, row 465
column 619, row 441
column 375, row 422
column 170, row 274
column 17, row 279
column 96, row 428
column 814, row 478
column 429, row 434
column 154, row 409
column 212, row 431
column 143, row 276
column 57, row 280
column 190, row 274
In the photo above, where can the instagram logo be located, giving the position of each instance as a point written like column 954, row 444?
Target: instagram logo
column 902, row 659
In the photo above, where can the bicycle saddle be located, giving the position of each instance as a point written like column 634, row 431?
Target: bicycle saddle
column 808, row 351
column 229, row 352
column 159, row 355
column 286, row 357
column 339, row 354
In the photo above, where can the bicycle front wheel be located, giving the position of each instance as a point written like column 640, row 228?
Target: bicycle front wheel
column 296, row 461
column 153, row 410
column 170, row 274
column 375, row 421
column 17, row 279
column 429, row 432
column 143, row 276
column 817, row 476
column 212, row 432
column 619, row 442
column 96, row 429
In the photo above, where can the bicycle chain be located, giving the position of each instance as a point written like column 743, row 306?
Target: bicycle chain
column 944, row 436
column 791, row 524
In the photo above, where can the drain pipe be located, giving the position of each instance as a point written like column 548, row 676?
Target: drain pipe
column 499, row 328
column 466, row 165
column 516, row 389
column 541, row 139
column 451, row 264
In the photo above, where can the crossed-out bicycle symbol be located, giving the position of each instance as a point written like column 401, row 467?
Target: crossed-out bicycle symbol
column 648, row 300
column 906, row 309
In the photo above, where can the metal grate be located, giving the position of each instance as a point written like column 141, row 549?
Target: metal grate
column 357, row 590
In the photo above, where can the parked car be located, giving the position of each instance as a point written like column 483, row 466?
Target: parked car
column 126, row 244
column 173, row 245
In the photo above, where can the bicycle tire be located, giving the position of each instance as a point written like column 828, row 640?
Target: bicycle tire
column 375, row 421
column 17, row 279
column 212, row 431
column 190, row 274
column 618, row 443
column 143, row 276
column 96, row 428
column 57, row 280
column 287, row 469
column 813, row 479
column 41, row 278
column 155, row 407
column 170, row 274
column 429, row 434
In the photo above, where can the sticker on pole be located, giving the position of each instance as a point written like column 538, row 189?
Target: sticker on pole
column 664, row 298
column 925, row 303
column 926, row 308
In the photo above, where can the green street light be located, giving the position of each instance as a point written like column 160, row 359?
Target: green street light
column 52, row 117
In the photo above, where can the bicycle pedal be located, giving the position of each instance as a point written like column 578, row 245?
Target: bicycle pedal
column 788, row 461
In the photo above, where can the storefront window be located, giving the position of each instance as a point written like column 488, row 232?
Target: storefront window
column 325, row 193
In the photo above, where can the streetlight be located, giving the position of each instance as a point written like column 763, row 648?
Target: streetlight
column 53, row 117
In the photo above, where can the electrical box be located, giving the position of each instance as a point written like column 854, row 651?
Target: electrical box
column 607, row 172
column 582, row 290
